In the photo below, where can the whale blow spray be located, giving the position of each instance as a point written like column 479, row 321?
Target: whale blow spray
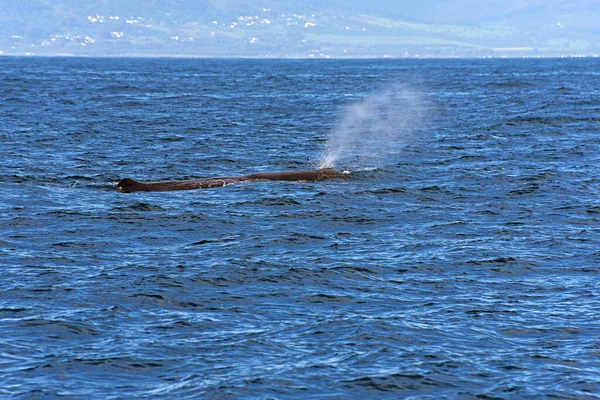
column 372, row 132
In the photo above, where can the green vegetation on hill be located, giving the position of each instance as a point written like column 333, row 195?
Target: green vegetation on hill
column 326, row 28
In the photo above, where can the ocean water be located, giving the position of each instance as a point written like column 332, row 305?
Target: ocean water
column 460, row 260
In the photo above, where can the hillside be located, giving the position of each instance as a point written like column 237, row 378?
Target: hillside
column 326, row 28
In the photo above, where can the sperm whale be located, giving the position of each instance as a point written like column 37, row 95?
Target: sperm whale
column 129, row 185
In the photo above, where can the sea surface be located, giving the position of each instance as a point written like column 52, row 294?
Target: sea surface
column 460, row 260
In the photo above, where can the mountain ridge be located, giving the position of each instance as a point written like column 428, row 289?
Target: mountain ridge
column 326, row 28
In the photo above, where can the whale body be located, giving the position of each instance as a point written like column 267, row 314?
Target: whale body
column 128, row 185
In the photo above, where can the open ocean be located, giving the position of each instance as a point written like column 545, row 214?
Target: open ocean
column 461, row 260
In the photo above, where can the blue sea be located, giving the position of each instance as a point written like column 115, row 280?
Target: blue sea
column 461, row 260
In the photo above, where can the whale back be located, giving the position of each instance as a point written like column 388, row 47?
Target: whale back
column 128, row 185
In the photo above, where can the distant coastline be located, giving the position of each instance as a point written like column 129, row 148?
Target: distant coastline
column 312, row 29
column 300, row 57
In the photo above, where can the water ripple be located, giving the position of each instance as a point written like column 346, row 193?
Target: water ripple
column 463, row 267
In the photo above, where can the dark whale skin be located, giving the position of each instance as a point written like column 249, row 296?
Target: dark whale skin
column 128, row 185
